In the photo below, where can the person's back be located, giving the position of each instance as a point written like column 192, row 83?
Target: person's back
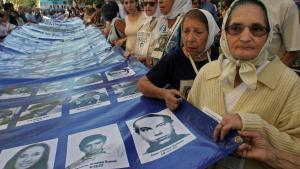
column 286, row 40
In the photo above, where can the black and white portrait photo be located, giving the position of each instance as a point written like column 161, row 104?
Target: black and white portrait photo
column 156, row 135
column 119, row 73
column 53, row 87
column 89, row 100
column 6, row 115
column 88, row 80
column 15, row 92
column 126, row 91
column 100, row 148
column 40, row 112
column 34, row 156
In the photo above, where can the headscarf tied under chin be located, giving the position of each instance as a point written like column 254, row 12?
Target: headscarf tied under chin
column 179, row 7
column 247, row 70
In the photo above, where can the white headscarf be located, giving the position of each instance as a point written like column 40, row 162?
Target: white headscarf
column 179, row 7
column 155, row 15
column 247, row 69
column 213, row 29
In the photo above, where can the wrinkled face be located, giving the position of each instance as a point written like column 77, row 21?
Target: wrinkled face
column 29, row 157
column 245, row 45
column 155, row 130
column 94, row 146
column 130, row 6
column 194, row 36
column 165, row 6
column 150, row 7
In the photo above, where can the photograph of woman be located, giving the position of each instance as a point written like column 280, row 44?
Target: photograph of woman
column 35, row 156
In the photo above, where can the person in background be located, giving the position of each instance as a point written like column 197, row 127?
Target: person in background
column 114, row 26
column 167, row 30
column 133, row 21
column 206, row 5
column 5, row 26
column 88, row 15
column 179, row 67
column 97, row 19
column 286, row 40
column 145, row 44
column 248, row 91
column 196, row 4
column 30, row 16
column 22, row 14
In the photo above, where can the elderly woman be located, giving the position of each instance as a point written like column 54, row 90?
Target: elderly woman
column 134, row 19
column 250, row 92
column 145, row 43
column 167, row 25
column 179, row 67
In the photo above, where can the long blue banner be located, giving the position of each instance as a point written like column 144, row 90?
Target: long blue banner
column 74, row 104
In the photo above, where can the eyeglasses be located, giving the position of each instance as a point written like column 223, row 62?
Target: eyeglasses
column 149, row 3
column 255, row 29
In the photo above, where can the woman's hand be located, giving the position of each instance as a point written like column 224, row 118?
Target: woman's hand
column 172, row 98
column 255, row 147
column 119, row 42
column 229, row 122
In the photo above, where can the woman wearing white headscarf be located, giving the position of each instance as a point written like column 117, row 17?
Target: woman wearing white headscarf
column 178, row 68
column 248, row 91
column 145, row 43
column 171, row 17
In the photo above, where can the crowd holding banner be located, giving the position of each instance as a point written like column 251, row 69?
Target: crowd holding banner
column 67, row 95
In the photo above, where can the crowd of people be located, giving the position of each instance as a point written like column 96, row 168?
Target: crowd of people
column 228, row 57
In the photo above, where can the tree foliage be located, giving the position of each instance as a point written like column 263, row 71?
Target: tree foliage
column 27, row 3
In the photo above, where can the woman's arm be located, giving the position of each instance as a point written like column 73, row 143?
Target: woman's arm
column 172, row 97
column 258, row 148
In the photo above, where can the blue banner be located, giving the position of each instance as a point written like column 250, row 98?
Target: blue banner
column 71, row 101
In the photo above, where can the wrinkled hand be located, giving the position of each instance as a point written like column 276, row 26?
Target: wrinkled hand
column 229, row 122
column 172, row 98
column 256, row 146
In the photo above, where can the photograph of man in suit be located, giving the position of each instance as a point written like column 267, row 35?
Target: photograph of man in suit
column 157, row 130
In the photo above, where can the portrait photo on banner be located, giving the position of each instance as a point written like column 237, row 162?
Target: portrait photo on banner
column 15, row 92
column 88, row 80
column 126, row 91
column 6, row 115
column 100, row 148
column 40, row 112
column 158, row 134
column 119, row 73
column 54, row 87
column 88, row 100
column 37, row 155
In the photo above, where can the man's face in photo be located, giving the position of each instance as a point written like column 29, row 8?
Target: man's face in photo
column 155, row 129
column 94, row 146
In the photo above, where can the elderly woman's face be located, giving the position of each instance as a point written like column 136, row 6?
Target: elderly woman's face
column 251, row 21
column 150, row 7
column 130, row 6
column 29, row 157
column 165, row 6
column 194, row 36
